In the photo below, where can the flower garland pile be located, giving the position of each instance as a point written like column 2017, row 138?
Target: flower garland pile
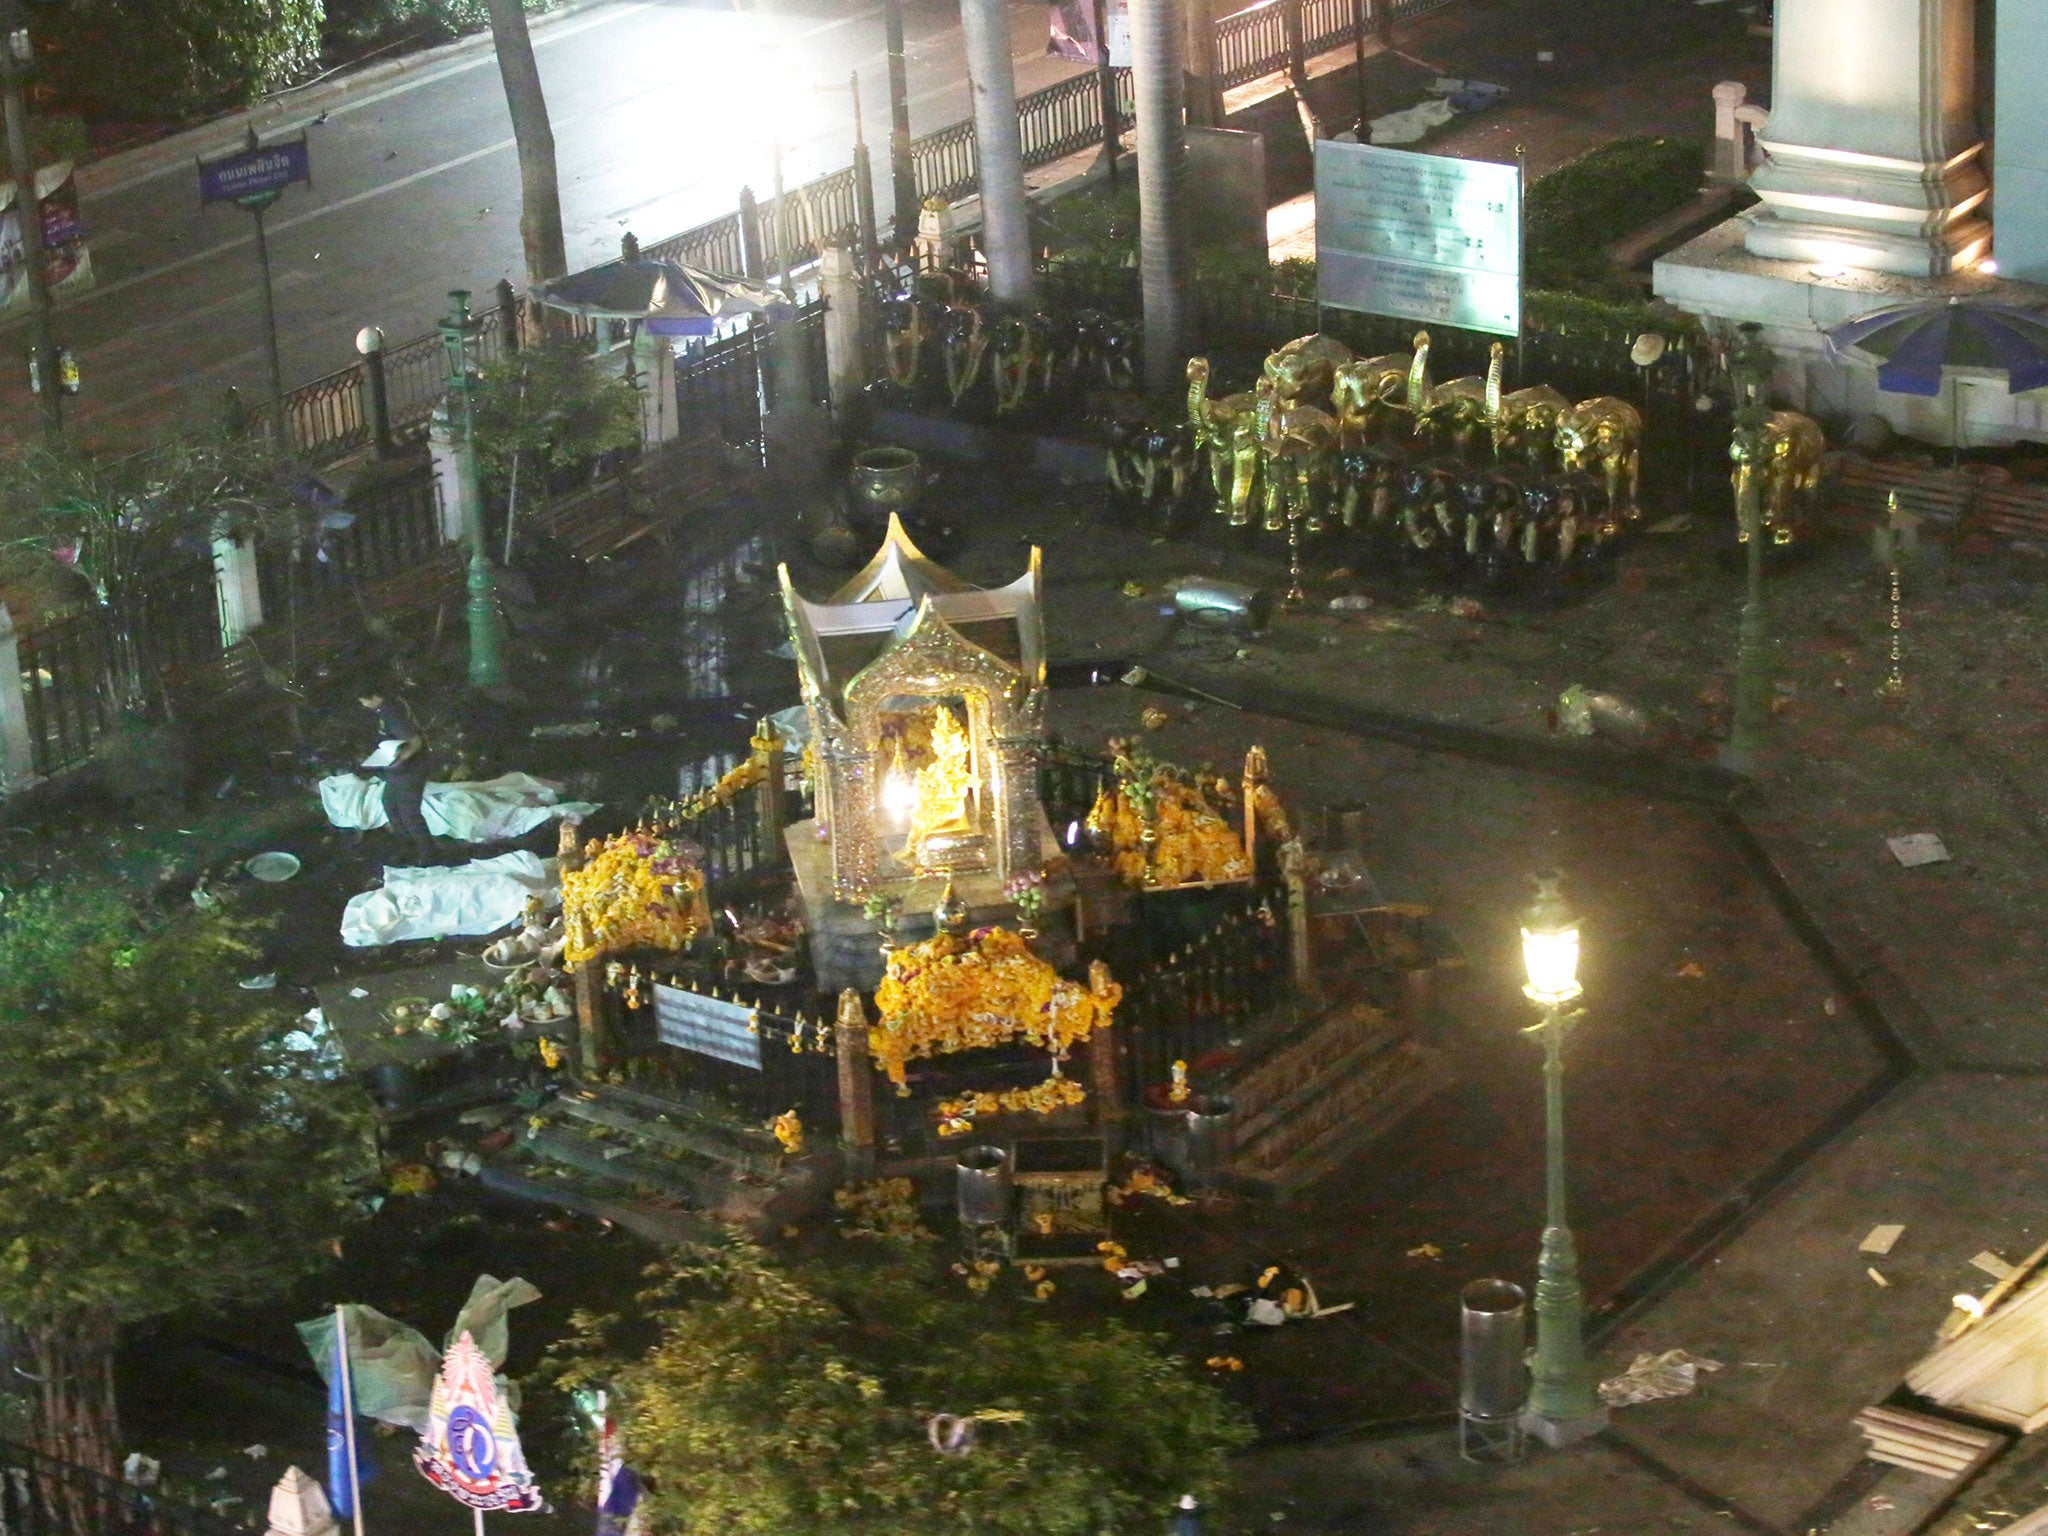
column 1162, row 825
column 635, row 890
column 959, row 994
column 957, row 1116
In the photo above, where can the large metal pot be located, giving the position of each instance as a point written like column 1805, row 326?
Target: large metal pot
column 883, row 480
column 984, row 1177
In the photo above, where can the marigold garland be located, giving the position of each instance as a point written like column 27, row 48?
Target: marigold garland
column 634, row 890
column 1189, row 843
column 957, row 1116
column 959, row 994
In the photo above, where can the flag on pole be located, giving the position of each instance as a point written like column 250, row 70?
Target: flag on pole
column 618, row 1485
column 341, row 1486
column 471, row 1450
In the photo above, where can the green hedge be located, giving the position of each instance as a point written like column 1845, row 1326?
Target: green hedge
column 159, row 60
column 356, row 26
column 1580, row 209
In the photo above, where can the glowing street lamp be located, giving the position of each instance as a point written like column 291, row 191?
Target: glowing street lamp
column 1563, row 1405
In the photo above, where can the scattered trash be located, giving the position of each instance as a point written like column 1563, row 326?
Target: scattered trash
column 1265, row 1313
column 1132, row 589
column 261, row 983
column 1880, row 1279
column 272, row 868
column 1993, row 1265
column 1153, row 718
column 1651, row 1377
column 255, row 1452
column 358, row 991
column 1171, row 1263
column 1135, row 678
column 1677, row 522
column 1465, row 608
column 1881, row 1238
column 578, row 728
column 1224, row 1363
column 1692, row 970
column 1582, row 712
column 140, row 1471
column 1350, row 602
column 1426, row 1251
column 1878, row 1501
column 1222, row 604
column 1202, row 1291
column 1917, row 848
column 216, row 1474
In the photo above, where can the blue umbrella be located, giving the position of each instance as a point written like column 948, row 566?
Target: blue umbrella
column 670, row 298
column 1914, row 343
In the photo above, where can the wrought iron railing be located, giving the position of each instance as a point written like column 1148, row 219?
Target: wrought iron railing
column 42, row 1496
column 1198, row 1000
column 65, row 670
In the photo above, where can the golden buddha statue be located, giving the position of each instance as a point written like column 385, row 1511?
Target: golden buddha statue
column 945, row 810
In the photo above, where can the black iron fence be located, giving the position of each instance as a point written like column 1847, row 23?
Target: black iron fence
column 42, row 1496
column 66, row 668
column 392, row 528
column 1196, row 1001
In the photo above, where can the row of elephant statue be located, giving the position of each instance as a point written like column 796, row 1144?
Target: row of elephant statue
column 941, row 334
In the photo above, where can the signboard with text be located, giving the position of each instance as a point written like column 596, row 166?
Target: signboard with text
column 66, row 262
column 253, row 177
column 1420, row 237
column 710, row 1026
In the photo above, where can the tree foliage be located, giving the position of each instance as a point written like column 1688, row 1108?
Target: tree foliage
column 162, row 1143
column 781, row 1399
column 554, row 407
column 158, row 59
column 355, row 24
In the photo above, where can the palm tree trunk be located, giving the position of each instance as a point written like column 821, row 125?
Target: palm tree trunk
column 540, row 193
column 64, row 1374
column 1159, row 86
column 1005, row 217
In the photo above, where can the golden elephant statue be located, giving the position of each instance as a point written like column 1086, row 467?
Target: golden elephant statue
column 1305, row 368
column 1525, row 424
column 1457, row 408
column 1608, row 432
column 1782, row 467
column 1367, row 393
column 1215, row 421
column 1296, row 443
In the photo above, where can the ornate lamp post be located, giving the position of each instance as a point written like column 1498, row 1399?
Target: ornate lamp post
column 1750, row 363
column 461, row 335
column 1563, row 1405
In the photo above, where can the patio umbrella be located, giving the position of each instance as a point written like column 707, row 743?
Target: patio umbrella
column 1915, row 344
column 670, row 298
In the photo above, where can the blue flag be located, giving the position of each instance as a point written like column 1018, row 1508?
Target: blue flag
column 341, row 1489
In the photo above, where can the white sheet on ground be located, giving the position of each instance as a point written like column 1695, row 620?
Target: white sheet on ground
column 484, row 811
column 479, row 897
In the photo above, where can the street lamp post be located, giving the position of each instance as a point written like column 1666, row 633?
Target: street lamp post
column 1750, row 364
column 1563, row 1406
column 17, row 52
column 460, row 335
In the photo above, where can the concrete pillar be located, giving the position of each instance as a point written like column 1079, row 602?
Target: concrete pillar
column 1872, row 156
column 1731, row 148
column 1158, row 88
column 17, row 755
column 654, row 374
column 846, row 341
column 450, row 492
column 992, row 82
column 2020, row 200
column 241, row 594
column 856, row 1086
column 299, row 1507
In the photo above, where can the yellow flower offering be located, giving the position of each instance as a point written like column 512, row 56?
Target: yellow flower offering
column 635, row 890
column 957, row 994
column 1164, row 827
column 789, row 1130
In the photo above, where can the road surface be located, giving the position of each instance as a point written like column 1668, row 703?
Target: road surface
column 662, row 110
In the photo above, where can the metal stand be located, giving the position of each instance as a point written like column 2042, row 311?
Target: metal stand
column 1297, row 595
column 1491, row 1442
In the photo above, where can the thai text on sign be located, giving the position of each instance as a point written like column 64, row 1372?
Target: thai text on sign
column 710, row 1026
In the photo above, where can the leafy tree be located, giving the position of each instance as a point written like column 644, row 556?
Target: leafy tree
column 129, row 59
column 162, row 1145
column 780, row 1399
column 552, row 407
column 353, row 24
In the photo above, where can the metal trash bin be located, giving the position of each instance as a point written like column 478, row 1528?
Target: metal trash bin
column 1211, row 1137
column 1493, row 1379
column 982, row 1188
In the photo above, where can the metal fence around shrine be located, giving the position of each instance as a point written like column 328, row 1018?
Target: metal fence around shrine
column 42, row 1496
column 331, row 416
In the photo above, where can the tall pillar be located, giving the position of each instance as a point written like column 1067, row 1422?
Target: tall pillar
column 240, row 592
column 1005, row 220
column 2020, row 200
column 654, row 373
column 450, row 492
column 1872, row 155
column 17, row 751
column 1158, row 89
column 846, row 342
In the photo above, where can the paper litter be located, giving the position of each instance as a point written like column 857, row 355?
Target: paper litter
column 1917, row 848
column 1992, row 1265
column 1675, row 1373
column 1881, row 1238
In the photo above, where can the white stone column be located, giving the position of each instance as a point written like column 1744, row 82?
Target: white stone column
column 846, row 342
column 241, row 593
column 2019, row 202
column 654, row 372
column 1872, row 151
column 17, row 755
column 448, row 488
column 1731, row 141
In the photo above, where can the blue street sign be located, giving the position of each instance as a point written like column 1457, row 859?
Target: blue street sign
column 255, row 176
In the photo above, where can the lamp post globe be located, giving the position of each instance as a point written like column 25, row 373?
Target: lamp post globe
column 1563, row 1404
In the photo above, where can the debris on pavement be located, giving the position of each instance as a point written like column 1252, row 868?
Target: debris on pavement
column 1153, row 718
column 1350, row 602
column 1649, row 1378
column 1917, row 848
column 1692, row 970
column 1871, row 1271
column 1881, row 1238
column 1426, row 1251
column 1993, row 1265
column 140, row 1471
column 1465, row 608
